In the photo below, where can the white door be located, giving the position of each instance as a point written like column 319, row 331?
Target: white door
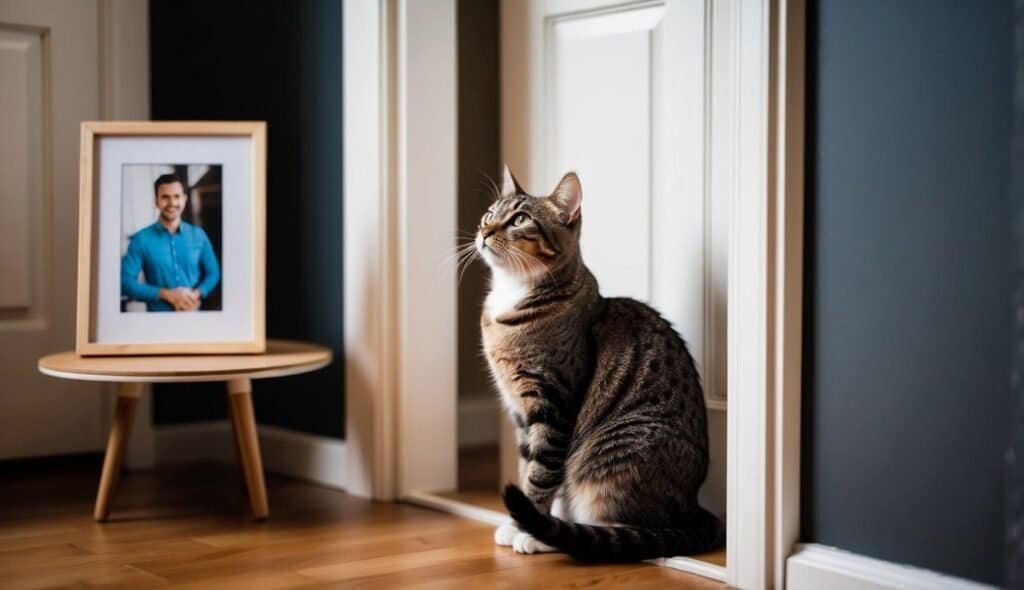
column 51, row 63
column 619, row 92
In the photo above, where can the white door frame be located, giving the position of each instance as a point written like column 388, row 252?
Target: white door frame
column 400, row 210
column 765, row 295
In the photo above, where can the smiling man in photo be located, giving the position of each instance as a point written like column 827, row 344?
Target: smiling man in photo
column 176, row 258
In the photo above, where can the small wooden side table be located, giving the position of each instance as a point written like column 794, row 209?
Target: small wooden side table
column 131, row 372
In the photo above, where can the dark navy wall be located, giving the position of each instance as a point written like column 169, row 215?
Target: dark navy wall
column 908, row 302
column 279, row 62
column 1014, row 539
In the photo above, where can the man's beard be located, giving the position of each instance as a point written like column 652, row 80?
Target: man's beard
column 170, row 216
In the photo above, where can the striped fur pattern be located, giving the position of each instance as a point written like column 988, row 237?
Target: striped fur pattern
column 606, row 399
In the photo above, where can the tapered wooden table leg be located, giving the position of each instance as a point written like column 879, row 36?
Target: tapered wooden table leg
column 240, row 393
column 236, row 446
column 127, row 399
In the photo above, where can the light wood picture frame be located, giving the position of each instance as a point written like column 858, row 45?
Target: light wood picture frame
column 236, row 149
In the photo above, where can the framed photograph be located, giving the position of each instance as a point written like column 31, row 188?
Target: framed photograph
column 171, row 242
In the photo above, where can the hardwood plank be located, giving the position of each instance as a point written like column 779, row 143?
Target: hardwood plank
column 188, row 526
column 559, row 571
column 453, row 573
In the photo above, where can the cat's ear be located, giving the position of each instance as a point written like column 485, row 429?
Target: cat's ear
column 509, row 185
column 568, row 197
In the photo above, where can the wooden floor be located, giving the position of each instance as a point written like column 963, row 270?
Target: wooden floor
column 189, row 527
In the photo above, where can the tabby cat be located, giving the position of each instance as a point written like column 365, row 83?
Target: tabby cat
column 610, row 415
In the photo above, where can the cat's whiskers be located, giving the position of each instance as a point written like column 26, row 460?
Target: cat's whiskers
column 531, row 263
column 461, row 256
column 516, row 261
column 458, row 252
column 464, row 263
column 521, row 263
column 493, row 186
column 465, row 253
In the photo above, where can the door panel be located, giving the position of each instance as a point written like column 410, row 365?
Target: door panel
column 21, row 99
column 49, row 82
column 620, row 92
column 613, row 157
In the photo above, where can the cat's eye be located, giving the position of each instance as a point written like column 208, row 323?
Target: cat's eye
column 520, row 219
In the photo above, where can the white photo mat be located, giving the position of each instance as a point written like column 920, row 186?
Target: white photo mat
column 235, row 321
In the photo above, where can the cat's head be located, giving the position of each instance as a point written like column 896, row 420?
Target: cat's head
column 530, row 236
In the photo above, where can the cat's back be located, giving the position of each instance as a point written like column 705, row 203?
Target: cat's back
column 645, row 409
column 628, row 322
column 641, row 362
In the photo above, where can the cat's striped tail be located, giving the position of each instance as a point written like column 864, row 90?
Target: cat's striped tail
column 614, row 543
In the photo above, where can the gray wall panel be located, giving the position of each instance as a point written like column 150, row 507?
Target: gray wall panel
column 908, row 287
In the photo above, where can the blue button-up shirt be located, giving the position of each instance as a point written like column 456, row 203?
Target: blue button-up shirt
column 182, row 259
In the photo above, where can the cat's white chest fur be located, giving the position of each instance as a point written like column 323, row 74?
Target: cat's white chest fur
column 506, row 292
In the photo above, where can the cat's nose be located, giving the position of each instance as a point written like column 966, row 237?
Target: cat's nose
column 486, row 233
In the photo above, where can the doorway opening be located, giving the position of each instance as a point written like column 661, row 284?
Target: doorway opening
column 486, row 449
column 402, row 320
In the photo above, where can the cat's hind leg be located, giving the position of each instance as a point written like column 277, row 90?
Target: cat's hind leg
column 525, row 543
column 560, row 507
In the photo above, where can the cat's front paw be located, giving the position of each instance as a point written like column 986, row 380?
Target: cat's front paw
column 505, row 534
column 525, row 543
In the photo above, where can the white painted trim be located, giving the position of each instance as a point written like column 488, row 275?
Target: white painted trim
column 479, row 420
column 748, row 449
column 426, row 169
column 318, row 459
column 816, row 566
column 400, row 197
column 428, row 500
column 369, row 272
column 788, row 57
column 124, row 95
column 693, row 566
column 765, row 281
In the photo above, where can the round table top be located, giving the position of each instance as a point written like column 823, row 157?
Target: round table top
column 282, row 357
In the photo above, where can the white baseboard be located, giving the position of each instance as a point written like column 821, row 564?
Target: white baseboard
column 692, row 566
column 319, row 459
column 479, row 419
column 435, row 502
column 813, row 566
